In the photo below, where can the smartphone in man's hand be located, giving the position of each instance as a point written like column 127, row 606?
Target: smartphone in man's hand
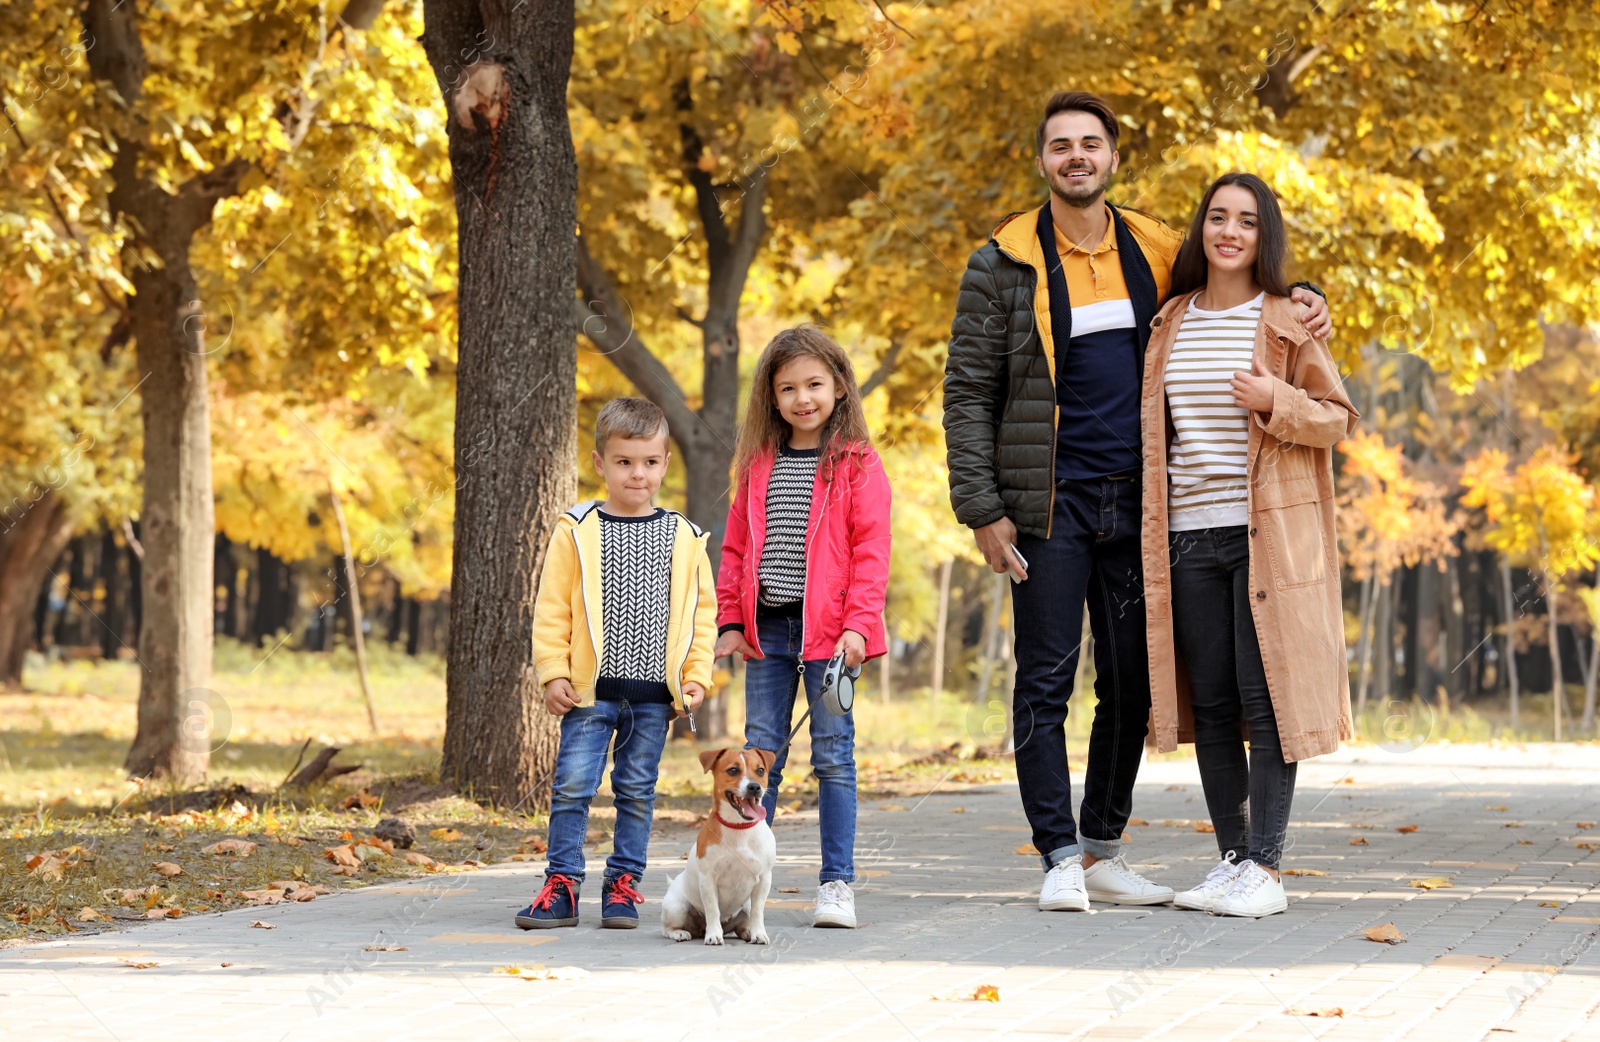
column 1020, row 560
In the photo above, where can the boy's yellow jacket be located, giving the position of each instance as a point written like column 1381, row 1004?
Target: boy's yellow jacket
column 568, row 631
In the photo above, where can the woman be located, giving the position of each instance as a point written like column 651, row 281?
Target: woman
column 1241, row 580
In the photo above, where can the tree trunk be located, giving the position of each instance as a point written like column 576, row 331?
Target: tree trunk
column 1454, row 629
column 886, row 660
column 357, row 638
column 515, row 179
column 1558, row 692
column 1383, row 642
column 413, row 626
column 228, row 578
column 27, row 549
column 939, row 627
column 1511, row 640
column 1591, row 679
column 167, row 322
column 991, row 636
column 1364, row 614
column 111, row 615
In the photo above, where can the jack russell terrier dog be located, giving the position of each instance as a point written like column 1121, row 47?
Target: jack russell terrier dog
column 725, row 887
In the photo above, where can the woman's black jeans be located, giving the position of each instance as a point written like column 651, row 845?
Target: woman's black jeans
column 1216, row 640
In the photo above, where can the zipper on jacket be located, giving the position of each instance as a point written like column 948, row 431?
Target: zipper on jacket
column 694, row 606
column 583, row 591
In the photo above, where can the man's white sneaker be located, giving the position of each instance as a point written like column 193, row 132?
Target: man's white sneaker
column 1110, row 879
column 1253, row 894
column 836, row 906
column 1063, row 887
column 1217, row 882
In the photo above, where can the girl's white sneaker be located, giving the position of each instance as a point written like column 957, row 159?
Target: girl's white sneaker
column 1253, row 894
column 1111, row 879
column 1216, row 883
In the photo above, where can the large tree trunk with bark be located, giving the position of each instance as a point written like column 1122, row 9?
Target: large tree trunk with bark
column 167, row 321
column 33, row 539
column 502, row 67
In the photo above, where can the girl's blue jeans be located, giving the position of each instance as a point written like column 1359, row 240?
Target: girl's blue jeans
column 770, row 685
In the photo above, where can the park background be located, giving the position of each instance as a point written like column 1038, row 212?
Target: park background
column 300, row 348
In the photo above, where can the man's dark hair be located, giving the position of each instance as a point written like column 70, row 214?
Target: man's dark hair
column 1190, row 270
column 1077, row 101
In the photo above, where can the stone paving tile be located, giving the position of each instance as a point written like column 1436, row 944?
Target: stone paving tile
column 946, row 905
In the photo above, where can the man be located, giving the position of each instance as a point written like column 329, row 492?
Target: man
column 1041, row 402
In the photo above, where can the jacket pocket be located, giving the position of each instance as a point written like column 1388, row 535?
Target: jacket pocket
column 1291, row 524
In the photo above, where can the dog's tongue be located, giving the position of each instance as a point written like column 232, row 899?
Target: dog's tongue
column 750, row 807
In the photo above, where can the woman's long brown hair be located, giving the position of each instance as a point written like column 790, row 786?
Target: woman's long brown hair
column 764, row 429
column 1191, row 269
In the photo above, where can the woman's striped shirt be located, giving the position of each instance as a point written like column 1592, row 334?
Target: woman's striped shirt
column 1207, row 462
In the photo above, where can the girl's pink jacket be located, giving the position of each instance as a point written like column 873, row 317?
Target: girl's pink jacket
column 847, row 553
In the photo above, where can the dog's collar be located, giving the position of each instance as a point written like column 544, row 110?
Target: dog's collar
column 742, row 825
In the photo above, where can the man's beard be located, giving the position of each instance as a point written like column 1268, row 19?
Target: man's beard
column 1079, row 194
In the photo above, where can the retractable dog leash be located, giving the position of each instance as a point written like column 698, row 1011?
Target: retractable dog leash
column 838, row 694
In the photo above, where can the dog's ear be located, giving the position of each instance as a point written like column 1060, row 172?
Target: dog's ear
column 768, row 758
column 709, row 758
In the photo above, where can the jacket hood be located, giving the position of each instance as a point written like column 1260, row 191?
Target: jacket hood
column 1018, row 238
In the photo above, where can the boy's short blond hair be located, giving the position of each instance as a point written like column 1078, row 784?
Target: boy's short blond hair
column 629, row 418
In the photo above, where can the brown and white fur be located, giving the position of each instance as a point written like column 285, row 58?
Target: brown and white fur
column 724, row 888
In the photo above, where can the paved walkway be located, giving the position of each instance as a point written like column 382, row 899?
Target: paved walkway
column 947, row 905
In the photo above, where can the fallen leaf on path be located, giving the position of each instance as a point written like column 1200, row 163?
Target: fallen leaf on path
column 1137, row 821
column 1549, row 904
column 958, row 810
column 165, row 848
column 1498, row 808
column 1204, row 826
column 161, row 913
column 366, row 851
column 1512, row 825
column 1588, row 846
column 343, row 855
column 982, row 993
column 139, row 965
column 1362, row 825
column 1177, row 788
column 226, row 965
column 541, row 973
column 235, row 847
column 446, row 835
column 87, row 914
column 385, row 948
column 791, row 806
column 1433, row 883
column 788, row 890
column 1406, row 829
column 1028, row 848
column 1525, row 842
column 890, row 806
column 50, row 864
column 289, row 841
column 1303, row 872
column 1586, row 824
column 1359, row 841
column 259, row 925
column 1331, row 1011
column 262, row 897
column 167, row 868
column 304, row 893
column 346, row 870
column 1386, row 933
column 417, row 857
column 537, row 845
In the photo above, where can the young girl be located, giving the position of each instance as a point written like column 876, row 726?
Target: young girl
column 1241, row 409
column 805, row 569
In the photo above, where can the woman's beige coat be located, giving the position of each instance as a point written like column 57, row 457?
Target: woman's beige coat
column 1294, row 567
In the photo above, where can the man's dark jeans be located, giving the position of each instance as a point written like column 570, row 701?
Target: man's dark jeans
column 1092, row 554
column 1216, row 639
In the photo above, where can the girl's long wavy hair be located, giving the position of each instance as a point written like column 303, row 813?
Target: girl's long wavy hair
column 764, row 429
column 1190, row 270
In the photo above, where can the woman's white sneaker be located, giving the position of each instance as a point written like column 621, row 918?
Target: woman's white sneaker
column 1254, row 893
column 836, row 906
column 1110, row 879
column 1216, row 883
column 1063, row 887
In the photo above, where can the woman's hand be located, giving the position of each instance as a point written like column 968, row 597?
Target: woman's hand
column 733, row 643
column 854, row 646
column 1253, row 390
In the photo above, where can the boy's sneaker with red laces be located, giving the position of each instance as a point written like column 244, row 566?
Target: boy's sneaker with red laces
column 556, row 905
column 618, row 901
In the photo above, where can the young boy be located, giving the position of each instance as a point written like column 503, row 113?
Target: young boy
column 623, row 627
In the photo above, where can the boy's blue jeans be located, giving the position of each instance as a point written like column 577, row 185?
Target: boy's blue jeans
column 640, row 731
column 769, row 694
